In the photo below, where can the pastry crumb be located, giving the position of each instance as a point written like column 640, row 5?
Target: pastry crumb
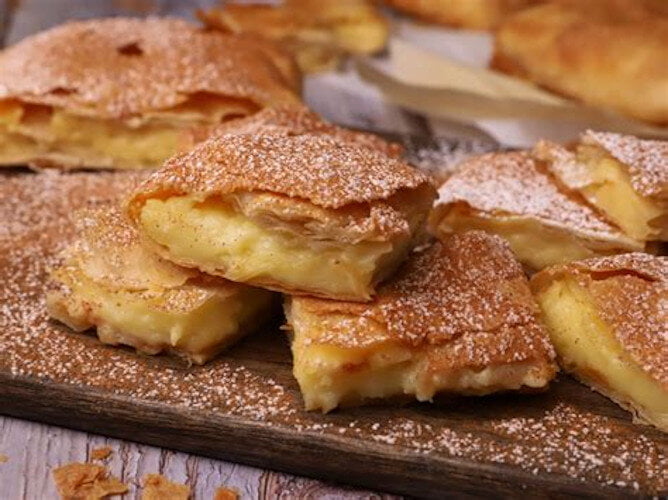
column 84, row 481
column 3, row 458
column 158, row 487
column 223, row 493
column 101, row 453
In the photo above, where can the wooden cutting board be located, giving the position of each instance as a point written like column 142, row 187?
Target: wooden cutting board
column 245, row 406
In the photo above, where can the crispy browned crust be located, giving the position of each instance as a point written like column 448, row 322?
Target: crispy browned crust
column 467, row 298
column 295, row 119
column 122, row 67
column 323, row 170
column 630, row 292
column 605, row 53
column 472, row 14
column 515, row 184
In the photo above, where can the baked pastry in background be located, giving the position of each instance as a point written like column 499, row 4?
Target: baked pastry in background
column 607, row 319
column 305, row 214
column 626, row 178
column 293, row 120
column 458, row 317
column 121, row 92
column 109, row 281
column 605, row 53
column 470, row 14
column 514, row 195
column 318, row 32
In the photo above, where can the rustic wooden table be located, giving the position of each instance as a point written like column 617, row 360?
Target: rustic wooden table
column 34, row 449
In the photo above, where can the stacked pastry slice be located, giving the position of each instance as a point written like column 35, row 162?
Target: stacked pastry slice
column 109, row 280
column 606, row 195
column 122, row 93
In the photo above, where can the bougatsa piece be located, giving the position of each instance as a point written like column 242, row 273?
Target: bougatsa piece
column 308, row 214
column 608, row 320
column 457, row 318
column 109, row 280
column 122, row 92
column 625, row 177
column 515, row 196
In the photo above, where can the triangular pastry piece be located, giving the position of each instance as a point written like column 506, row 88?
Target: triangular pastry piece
column 515, row 196
column 608, row 319
column 121, row 92
column 295, row 119
column 109, row 281
column 626, row 178
column 306, row 214
column 458, row 317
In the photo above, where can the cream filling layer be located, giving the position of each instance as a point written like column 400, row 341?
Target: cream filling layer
column 611, row 190
column 39, row 131
column 534, row 244
column 588, row 348
column 125, row 317
column 331, row 375
column 219, row 240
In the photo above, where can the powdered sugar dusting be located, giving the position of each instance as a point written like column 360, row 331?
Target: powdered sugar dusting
column 82, row 65
column 543, row 439
column 324, row 170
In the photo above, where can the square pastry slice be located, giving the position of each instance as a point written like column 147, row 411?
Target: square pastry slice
column 458, row 317
column 307, row 214
column 515, row 196
column 108, row 280
column 626, row 178
column 294, row 119
column 608, row 319
column 121, row 92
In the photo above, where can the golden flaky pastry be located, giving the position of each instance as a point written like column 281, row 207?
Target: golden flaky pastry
column 608, row 319
column 120, row 92
column 109, row 280
column 626, row 178
column 471, row 14
column 606, row 53
column 458, row 317
column 317, row 32
column 292, row 120
column 300, row 214
column 515, row 196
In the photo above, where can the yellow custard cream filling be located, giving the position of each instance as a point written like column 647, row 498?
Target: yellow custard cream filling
column 611, row 190
column 29, row 131
column 589, row 349
column 148, row 323
column 534, row 244
column 219, row 240
column 331, row 375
